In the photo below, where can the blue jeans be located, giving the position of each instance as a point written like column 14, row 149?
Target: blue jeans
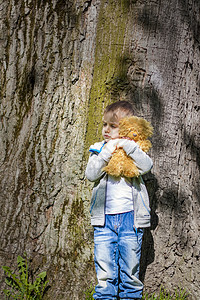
column 117, row 250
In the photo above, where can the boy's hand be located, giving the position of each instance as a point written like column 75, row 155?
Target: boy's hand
column 108, row 149
column 128, row 145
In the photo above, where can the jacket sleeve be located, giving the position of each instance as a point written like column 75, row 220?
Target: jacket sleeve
column 94, row 167
column 142, row 161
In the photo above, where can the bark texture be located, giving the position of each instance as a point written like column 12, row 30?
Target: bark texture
column 62, row 62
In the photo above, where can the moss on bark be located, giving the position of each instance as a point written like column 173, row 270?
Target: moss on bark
column 110, row 67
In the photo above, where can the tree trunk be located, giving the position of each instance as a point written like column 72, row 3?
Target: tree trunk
column 62, row 62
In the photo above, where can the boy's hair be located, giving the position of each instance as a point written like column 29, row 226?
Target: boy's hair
column 119, row 109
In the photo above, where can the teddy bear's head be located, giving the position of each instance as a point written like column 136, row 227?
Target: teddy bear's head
column 135, row 128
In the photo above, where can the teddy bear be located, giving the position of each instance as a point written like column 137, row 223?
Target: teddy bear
column 132, row 128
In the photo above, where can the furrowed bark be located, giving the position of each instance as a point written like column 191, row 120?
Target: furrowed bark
column 61, row 63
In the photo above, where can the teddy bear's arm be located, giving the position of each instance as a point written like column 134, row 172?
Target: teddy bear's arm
column 115, row 165
column 144, row 145
column 130, row 170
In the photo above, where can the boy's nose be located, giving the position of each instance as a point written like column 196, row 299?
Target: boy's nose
column 107, row 129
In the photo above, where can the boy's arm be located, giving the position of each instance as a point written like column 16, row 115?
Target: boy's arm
column 142, row 161
column 97, row 161
column 94, row 167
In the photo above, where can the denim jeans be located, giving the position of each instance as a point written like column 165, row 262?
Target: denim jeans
column 117, row 258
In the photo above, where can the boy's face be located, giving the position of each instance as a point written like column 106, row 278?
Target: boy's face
column 110, row 127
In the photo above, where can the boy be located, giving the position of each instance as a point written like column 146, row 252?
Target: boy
column 119, row 211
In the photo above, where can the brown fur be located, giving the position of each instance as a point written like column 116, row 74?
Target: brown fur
column 134, row 128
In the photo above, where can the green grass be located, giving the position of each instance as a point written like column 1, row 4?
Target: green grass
column 20, row 285
column 89, row 292
column 179, row 294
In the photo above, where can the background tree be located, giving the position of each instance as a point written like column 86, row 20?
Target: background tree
column 62, row 62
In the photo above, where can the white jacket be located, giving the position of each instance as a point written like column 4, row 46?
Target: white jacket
column 140, row 196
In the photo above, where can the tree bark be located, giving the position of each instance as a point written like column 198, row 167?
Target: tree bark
column 62, row 62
